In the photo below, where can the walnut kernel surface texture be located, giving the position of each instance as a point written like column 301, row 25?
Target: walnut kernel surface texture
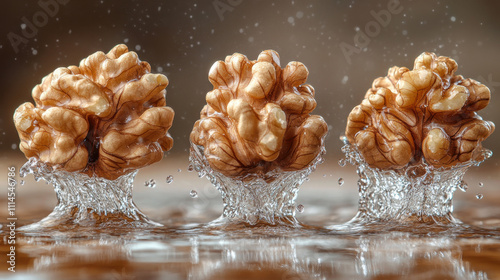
column 257, row 117
column 426, row 113
column 105, row 117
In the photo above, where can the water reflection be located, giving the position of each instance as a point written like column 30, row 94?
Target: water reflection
column 279, row 258
column 169, row 256
column 400, row 254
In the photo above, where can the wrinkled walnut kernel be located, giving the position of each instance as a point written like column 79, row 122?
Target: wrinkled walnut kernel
column 425, row 113
column 106, row 117
column 257, row 117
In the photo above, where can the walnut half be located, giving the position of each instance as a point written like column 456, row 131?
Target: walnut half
column 426, row 113
column 105, row 117
column 257, row 117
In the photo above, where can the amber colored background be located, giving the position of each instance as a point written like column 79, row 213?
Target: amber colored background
column 182, row 39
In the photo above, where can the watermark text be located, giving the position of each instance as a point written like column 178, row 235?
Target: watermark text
column 362, row 38
column 223, row 6
column 489, row 82
column 11, row 218
column 29, row 28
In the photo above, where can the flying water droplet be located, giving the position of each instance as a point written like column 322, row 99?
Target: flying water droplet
column 170, row 179
column 252, row 219
column 150, row 184
column 21, row 182
column 190, row 168
column 179, row 170
column 479, row 196
column 193, row 193
column 481, row 184
column 341, row 181
column 300, row 208
column 342, row 162
column 463, row 186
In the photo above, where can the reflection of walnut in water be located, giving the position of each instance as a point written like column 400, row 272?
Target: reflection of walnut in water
column 425, row 112
column 257, row 117
column 106, row 117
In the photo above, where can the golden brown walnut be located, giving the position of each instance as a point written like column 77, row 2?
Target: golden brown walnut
column 426, row 113
column 257, row 117
column 105, row 117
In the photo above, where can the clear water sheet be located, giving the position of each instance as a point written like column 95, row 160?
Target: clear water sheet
column 86, row 202
column 258, row 198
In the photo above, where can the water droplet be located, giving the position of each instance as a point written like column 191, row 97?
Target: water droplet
column 179, row 170
column 170, row 179
column 463, row 186
column 341, row 181
column 21, row 182
column 300, row 208
column 481, row 184
column 479, row 196
column 190, row 168
column 150, row 184
column 342, row 162
column 193, row 193
column 252, row 219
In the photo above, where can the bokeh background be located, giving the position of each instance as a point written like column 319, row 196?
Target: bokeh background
column 182, row 39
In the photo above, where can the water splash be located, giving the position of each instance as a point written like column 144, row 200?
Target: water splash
column 419, row 193
column 259, row 198
column 89, row 202
column 463, row 186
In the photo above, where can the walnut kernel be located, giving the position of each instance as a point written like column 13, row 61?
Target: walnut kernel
column 105, row 117
column 426, row 113
column 257, row 117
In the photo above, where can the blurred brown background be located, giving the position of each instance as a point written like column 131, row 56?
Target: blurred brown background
column 182, row 39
